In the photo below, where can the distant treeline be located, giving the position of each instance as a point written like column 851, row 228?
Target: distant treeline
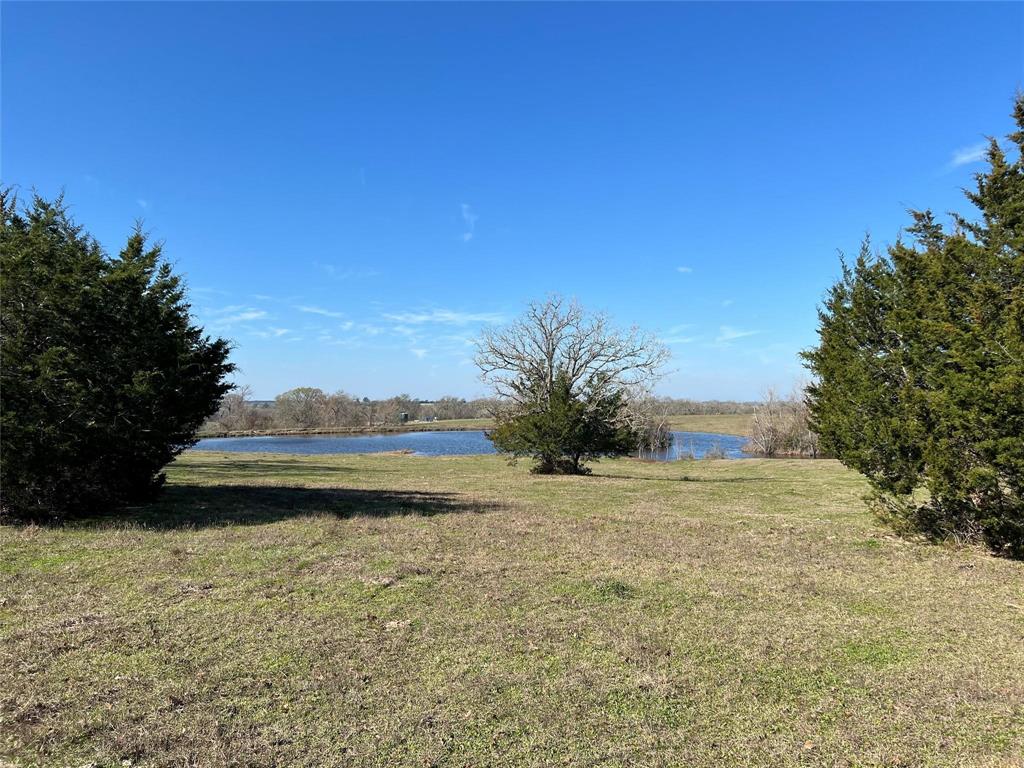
column 683, row 407
column 312, row 408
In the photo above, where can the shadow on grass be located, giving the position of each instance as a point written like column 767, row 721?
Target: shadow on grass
column 245, row 469
column 183, row 506
column 683, row 479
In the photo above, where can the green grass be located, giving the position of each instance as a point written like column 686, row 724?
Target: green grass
column 399, row 610
column 722, row 423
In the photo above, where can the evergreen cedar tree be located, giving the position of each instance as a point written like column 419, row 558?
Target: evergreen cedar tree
column 564, row 432
column 104, row 378
column 920, row 367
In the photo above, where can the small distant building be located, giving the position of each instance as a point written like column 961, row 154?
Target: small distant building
column 403, row 417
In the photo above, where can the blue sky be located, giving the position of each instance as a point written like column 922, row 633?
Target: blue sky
column 353, row 190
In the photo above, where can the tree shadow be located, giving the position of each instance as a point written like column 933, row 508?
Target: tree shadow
column 183, row 506
column 254, row 468
column 683, row 479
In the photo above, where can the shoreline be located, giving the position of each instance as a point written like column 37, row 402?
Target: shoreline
column 735, row 425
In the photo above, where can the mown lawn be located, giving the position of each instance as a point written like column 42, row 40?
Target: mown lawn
column 393, row 610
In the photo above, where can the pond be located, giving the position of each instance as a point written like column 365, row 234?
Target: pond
column 468, row 443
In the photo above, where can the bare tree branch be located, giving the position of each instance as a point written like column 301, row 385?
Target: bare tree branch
column 520, row 362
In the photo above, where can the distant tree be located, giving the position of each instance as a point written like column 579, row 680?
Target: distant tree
column 768, row 432
column 782, row 426
column 647, row 419
column 391, row 409
column 232, row 412
column 105, row 378
column 341, row 410
column 302, row 407
column 566, row 378
column 920, row 367
column 238, row 414
column 801, row 439
column 451, row 408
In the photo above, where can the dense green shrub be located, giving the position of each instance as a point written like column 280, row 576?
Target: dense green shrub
column 563, row 432
column 920, row 367
column 104, row 378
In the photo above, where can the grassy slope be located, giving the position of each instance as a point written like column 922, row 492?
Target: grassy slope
column 395, row 610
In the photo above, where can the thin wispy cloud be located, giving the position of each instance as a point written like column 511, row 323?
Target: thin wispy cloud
column 727, row 333
column 444, row 317
column 143, row 204
column 470, row 219
column 336, row 272
column 457, row 340
column 727, row 302
column 684, row 270
column 677, row 334
column 420, row 353
column 271, row 333
column 318, row 311
column 228, row 316
column 243, row 317
column 678, row 339
column 967, row 155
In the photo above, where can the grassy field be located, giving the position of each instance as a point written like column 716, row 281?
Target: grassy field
column 278, row 610
column 724, row 424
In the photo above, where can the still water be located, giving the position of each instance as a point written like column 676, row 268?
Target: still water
column 445, row 444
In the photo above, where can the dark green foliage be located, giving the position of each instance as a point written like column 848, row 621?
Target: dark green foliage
column 564, row 432
column 920, row 368
column 104, row 378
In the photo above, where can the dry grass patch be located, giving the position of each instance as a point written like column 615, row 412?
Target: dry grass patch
column 398, row 610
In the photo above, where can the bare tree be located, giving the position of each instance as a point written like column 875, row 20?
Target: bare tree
column 782, row 426
column 238, row 414
column 233, row 406
column 341, row 410
column 648, row 419
column 520, row 362
column 449, row 407
column 802, row 440
column 768, row 430
column 300, row 407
